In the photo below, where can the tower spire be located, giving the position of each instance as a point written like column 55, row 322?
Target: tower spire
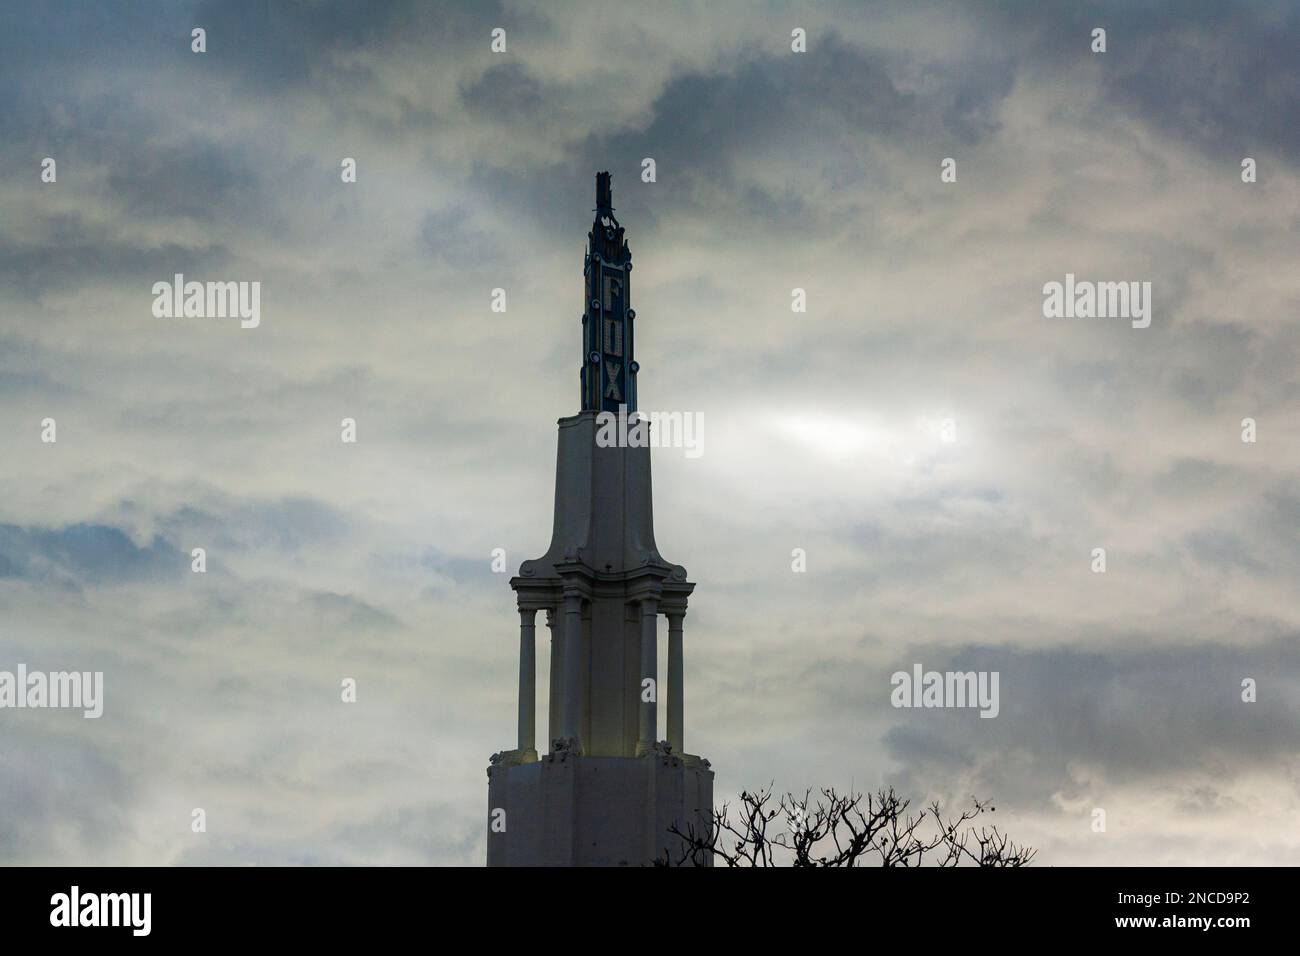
column 608, row 377
column 604, row 585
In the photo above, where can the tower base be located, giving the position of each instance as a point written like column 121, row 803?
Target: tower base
column 571, row 810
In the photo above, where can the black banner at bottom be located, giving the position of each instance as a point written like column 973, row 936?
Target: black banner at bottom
column 304, row 905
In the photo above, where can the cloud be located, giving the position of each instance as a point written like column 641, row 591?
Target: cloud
column 83, row 553
column 775, row 171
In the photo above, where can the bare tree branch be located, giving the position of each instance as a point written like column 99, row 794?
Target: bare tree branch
column 841, row 830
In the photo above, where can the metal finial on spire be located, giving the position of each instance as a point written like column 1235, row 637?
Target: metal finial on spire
column 604, row 194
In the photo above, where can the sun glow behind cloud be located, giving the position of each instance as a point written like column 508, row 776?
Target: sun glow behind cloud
column 865, row 439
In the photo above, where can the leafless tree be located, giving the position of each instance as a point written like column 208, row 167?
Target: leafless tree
column 837, row 830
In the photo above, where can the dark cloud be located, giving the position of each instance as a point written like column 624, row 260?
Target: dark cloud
column 278, row 48
column 290, row 524
column 75, row 253
column 1133, row 714
column 87, row 553
column 40, row 40
column 506, row 92
column 765, row 108
column 199, row 180
column 1219, row 76
column 458, row 570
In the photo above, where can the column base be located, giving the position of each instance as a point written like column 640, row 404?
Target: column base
column 512, row 758
column 566, row 746
column 571, row 810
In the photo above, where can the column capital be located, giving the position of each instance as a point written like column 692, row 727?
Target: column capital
column 673, row 603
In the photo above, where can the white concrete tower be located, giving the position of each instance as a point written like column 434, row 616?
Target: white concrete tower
column 608, row 789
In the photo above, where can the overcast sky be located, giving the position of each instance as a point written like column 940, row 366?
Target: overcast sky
column 775, row 170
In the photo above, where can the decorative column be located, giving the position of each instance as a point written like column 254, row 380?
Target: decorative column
column 676, row 692
column 555, row 684
column 649, row 669
column 527, row 680
column 575, row 663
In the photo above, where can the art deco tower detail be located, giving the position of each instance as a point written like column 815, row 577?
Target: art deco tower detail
column 607, row 790
column 608, row 369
